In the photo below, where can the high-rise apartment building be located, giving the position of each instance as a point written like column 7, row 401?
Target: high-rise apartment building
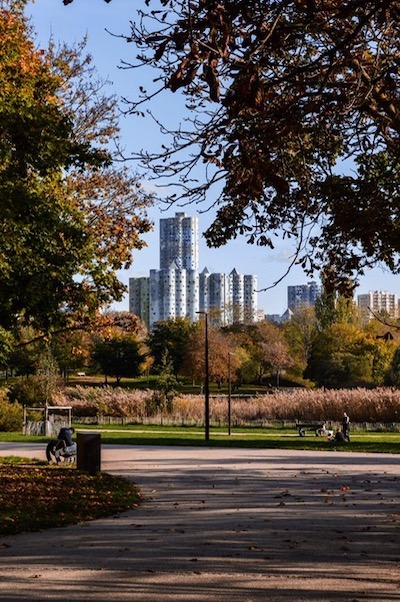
column 378, row 303
column 179, row 242
column 303, row 295
column 139, row 298
column 174, row 293
column 250, row 285
column 177, row 289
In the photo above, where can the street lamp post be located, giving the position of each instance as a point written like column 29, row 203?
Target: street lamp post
column 206, row 379
column 229, row 392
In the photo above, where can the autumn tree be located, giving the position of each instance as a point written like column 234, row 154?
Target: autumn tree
column 383, row 360
column 344, row 355
column 120, row 322
column 69, row 218
column 268, row 350
column 299, row 333
column 219, row 348
column 292, row 108
column 71, row 351
column 383, row 328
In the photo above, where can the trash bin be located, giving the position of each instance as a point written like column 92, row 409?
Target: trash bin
column 88, row 452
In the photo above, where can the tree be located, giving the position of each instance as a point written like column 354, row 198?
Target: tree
column 119, row 356
column 293, row 108
column 333, row 360
column 299, row 333
column 219, row 347
column 24, row 358
column 336, row 309
column 71, row 351
column 171, row 337
column 383, row 358
column 37, row 389
column 343, row 355
column 6, row 347
column 394, row 372
column 166, row 384
column 332, row 307
column 70, row 347
column 260, row 350
column 268, row 350
column 69, row 219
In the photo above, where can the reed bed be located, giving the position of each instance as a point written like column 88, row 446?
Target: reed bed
column 380, row 405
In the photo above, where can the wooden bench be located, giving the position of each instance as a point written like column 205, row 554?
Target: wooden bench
column 309, row 425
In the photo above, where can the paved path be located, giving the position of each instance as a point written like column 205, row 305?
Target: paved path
column 223, row 525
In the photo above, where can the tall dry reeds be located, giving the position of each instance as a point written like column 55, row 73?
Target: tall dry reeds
column 363, row 405
column 106, row 401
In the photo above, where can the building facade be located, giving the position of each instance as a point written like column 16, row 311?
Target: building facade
column 179, row 242
column 139, row 298
column 302, row 295
column 178, row 290
column 379, row 303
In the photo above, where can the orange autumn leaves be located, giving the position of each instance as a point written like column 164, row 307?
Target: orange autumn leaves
column 70, row 216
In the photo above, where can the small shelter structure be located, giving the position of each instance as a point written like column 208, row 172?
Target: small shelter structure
column 51, row 419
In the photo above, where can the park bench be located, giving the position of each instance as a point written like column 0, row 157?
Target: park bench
column 318, row 426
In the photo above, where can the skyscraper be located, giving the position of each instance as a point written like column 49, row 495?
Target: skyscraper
column 178, row 290
column 179, row 242
column 139, row 298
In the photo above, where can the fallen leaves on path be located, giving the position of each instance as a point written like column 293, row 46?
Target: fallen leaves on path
column 34, row 497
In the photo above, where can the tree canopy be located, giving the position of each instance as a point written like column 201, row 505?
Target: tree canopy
column 344, row 355
column 221, row 354
column 69, row 219
column 119, row 356
column 293, row 111
column 170, row 336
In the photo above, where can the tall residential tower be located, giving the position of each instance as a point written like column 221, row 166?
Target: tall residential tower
column 302, row 295
column 179, row 242
column 178, row 290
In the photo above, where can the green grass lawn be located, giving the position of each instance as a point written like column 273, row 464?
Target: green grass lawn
column 373, row 442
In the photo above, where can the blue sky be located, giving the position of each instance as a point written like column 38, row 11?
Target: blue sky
column 94, row 17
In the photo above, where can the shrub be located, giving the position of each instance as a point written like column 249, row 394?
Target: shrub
column 11, row 415
column 31, row 391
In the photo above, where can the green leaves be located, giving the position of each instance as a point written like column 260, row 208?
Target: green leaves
column 68, row 218
column 120, row 355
